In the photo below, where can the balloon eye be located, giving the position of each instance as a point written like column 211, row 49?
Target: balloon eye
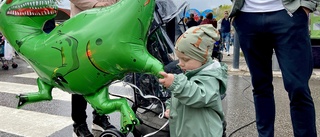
column 8, row 1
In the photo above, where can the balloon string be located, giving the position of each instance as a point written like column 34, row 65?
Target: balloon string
column 147, row 97
column 161, row 115
column 152, row 133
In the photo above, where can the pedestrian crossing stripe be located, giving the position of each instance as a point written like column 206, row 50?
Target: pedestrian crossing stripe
column 117, row 88
column 31, row 124
column 28, row 75
column 28, row 123
column 57, row 94
column 16, row 88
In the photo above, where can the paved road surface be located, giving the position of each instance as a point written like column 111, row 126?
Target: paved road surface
column 52, row 118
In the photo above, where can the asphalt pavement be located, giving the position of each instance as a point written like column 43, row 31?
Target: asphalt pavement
column 240, row 108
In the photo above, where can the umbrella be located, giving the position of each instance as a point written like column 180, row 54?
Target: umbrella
column 205, row 12
column 195, row 12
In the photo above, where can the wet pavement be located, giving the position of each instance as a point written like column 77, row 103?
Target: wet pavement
column 52, row 118
column 240, row 108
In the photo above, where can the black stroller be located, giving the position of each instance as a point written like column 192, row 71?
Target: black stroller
column 217, row 49
column 216, row 53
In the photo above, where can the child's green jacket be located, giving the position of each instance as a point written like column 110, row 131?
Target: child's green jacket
column 195, row 105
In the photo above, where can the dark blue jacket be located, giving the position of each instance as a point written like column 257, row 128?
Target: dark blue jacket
column 225, row 25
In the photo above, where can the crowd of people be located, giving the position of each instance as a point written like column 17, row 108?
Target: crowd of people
column 223, row 25
column 209, row 19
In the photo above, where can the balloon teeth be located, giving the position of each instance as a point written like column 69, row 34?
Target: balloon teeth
column 43, row 7
column 40, row 12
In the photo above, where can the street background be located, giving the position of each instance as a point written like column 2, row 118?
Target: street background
column 52, row 118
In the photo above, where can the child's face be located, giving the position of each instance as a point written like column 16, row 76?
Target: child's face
column 187, row 63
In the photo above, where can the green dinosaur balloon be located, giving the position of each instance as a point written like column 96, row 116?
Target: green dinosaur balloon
column 85, row 53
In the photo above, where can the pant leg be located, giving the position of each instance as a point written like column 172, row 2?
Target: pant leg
column 227, row 41
column 222, row 41
column 8, row 50
column 294, row 54
column 78, row 109
column 258, row 49
column 292, row 47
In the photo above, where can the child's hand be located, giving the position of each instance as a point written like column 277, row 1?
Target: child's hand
column 167, row 79
column 167, row 113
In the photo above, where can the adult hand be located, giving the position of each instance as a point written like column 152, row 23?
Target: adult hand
column 102, row 4
column 306, row 10
column 167, row 79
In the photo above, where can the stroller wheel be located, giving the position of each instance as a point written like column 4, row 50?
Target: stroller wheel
column 14, row 65
column 5, row 67
column 111, row 133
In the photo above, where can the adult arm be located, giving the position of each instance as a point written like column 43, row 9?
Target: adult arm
column 309, row 5
column 84, row 4
column 88, row 4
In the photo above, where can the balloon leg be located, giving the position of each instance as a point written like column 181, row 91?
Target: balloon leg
column 44, row 93
column 104, row 105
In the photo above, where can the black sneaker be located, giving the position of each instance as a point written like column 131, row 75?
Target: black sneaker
column 82, row 130
column 101, row 123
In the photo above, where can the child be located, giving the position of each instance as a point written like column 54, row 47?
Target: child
column 195, row 108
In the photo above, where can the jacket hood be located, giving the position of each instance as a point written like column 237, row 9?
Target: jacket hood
column 215, row 69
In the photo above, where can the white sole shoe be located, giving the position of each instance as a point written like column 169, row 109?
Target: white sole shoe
column 97, row 127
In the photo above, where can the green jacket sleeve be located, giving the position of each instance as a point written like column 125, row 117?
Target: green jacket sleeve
column 167, row 103
column 196, row 93
column 310, row 4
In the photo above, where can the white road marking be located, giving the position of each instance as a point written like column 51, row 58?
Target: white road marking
column 31, row 124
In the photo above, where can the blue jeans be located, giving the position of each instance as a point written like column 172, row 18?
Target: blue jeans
column 260, row 34
column 226, row 40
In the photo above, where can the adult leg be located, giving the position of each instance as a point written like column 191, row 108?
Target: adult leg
column 258, row 50
column 79, row 116
column 78, row 109
column 222, row 41
column 227, row 42
column 100, row 121
column 294, row 54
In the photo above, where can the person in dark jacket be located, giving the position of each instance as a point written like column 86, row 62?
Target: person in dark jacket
column 191, row 22
column 225, row 31
column 210, row 20
column 200, row 20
